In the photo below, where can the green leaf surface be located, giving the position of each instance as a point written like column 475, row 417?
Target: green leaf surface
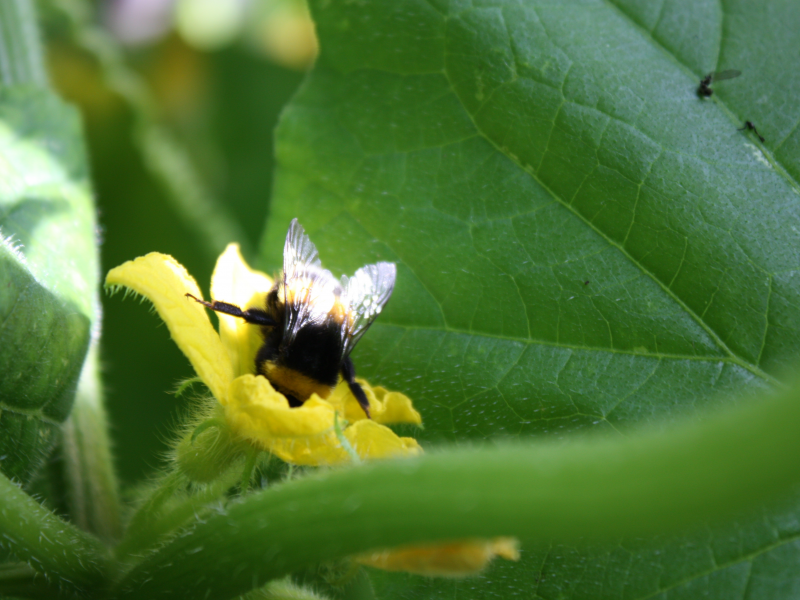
column 48, row 271
column 582, row 242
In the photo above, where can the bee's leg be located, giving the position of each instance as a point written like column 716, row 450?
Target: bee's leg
column 256, row 316
column 349, row 374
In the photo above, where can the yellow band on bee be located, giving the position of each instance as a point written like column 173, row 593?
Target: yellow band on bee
column 293, row 382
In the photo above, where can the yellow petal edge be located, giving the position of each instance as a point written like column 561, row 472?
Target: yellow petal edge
column 454, row 559
column 165, row 282
column 385, row 407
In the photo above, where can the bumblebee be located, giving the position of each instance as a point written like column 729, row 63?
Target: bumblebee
column 312, row 321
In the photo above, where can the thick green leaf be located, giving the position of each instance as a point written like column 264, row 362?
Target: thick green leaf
column 594, row 488
column 582, row 242
column 48, row 271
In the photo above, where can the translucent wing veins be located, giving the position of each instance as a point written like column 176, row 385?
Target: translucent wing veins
column 310, row 292
column 299, row 251
column 366, row 293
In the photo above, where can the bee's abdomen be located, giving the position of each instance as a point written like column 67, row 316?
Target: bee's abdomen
column 316, row 352
column 309, row 364
column 294, row 385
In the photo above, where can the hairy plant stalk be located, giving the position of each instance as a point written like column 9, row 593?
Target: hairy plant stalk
column 161, row 514
column 93, row 493
column 59, row 550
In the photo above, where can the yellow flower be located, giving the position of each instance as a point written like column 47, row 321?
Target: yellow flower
column 226, row 362
column 254, row 411
column 455, row 559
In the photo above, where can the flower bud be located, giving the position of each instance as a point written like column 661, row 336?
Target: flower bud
column 207, row 452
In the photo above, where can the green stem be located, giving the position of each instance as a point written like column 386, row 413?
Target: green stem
column 93, row 494
column 59, row 550
column 155, row 519
column 140, row 529
column 249, row 467
column 192, row 200
column 594, row 488
column 183, row 511
column 21, row 61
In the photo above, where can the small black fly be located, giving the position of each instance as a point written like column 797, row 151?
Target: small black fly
column 704, row 91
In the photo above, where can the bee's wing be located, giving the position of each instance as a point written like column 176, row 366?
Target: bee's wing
column 722, row 75
column 299, row 252
column 366, row 293
column 307, row 287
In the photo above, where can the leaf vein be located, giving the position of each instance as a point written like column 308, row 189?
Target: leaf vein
column 688, row 310
column 719, row 567
column 634, row 390
column 564, row 346
column 766, row 321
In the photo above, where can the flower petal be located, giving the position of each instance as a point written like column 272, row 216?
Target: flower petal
column 454, row 559
column 164, row 281
column 384, row 406
column 304, row 435
column 310, row 452
column 372, row 440
column 234, row 282
column 395, row 407
column 258, row 412
column 368, row 439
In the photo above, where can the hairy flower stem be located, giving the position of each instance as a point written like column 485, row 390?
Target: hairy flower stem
column 161, row 514
column 66, row 555
column 348, row 447
column 249, row 468
column 93, row 494
column 140, row 524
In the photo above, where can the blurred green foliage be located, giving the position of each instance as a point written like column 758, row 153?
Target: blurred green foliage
column 222, row 107
column 48, row 272
column 48, row 254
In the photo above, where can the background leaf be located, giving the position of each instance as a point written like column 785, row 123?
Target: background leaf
column 582, row 242
column 48, row 257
